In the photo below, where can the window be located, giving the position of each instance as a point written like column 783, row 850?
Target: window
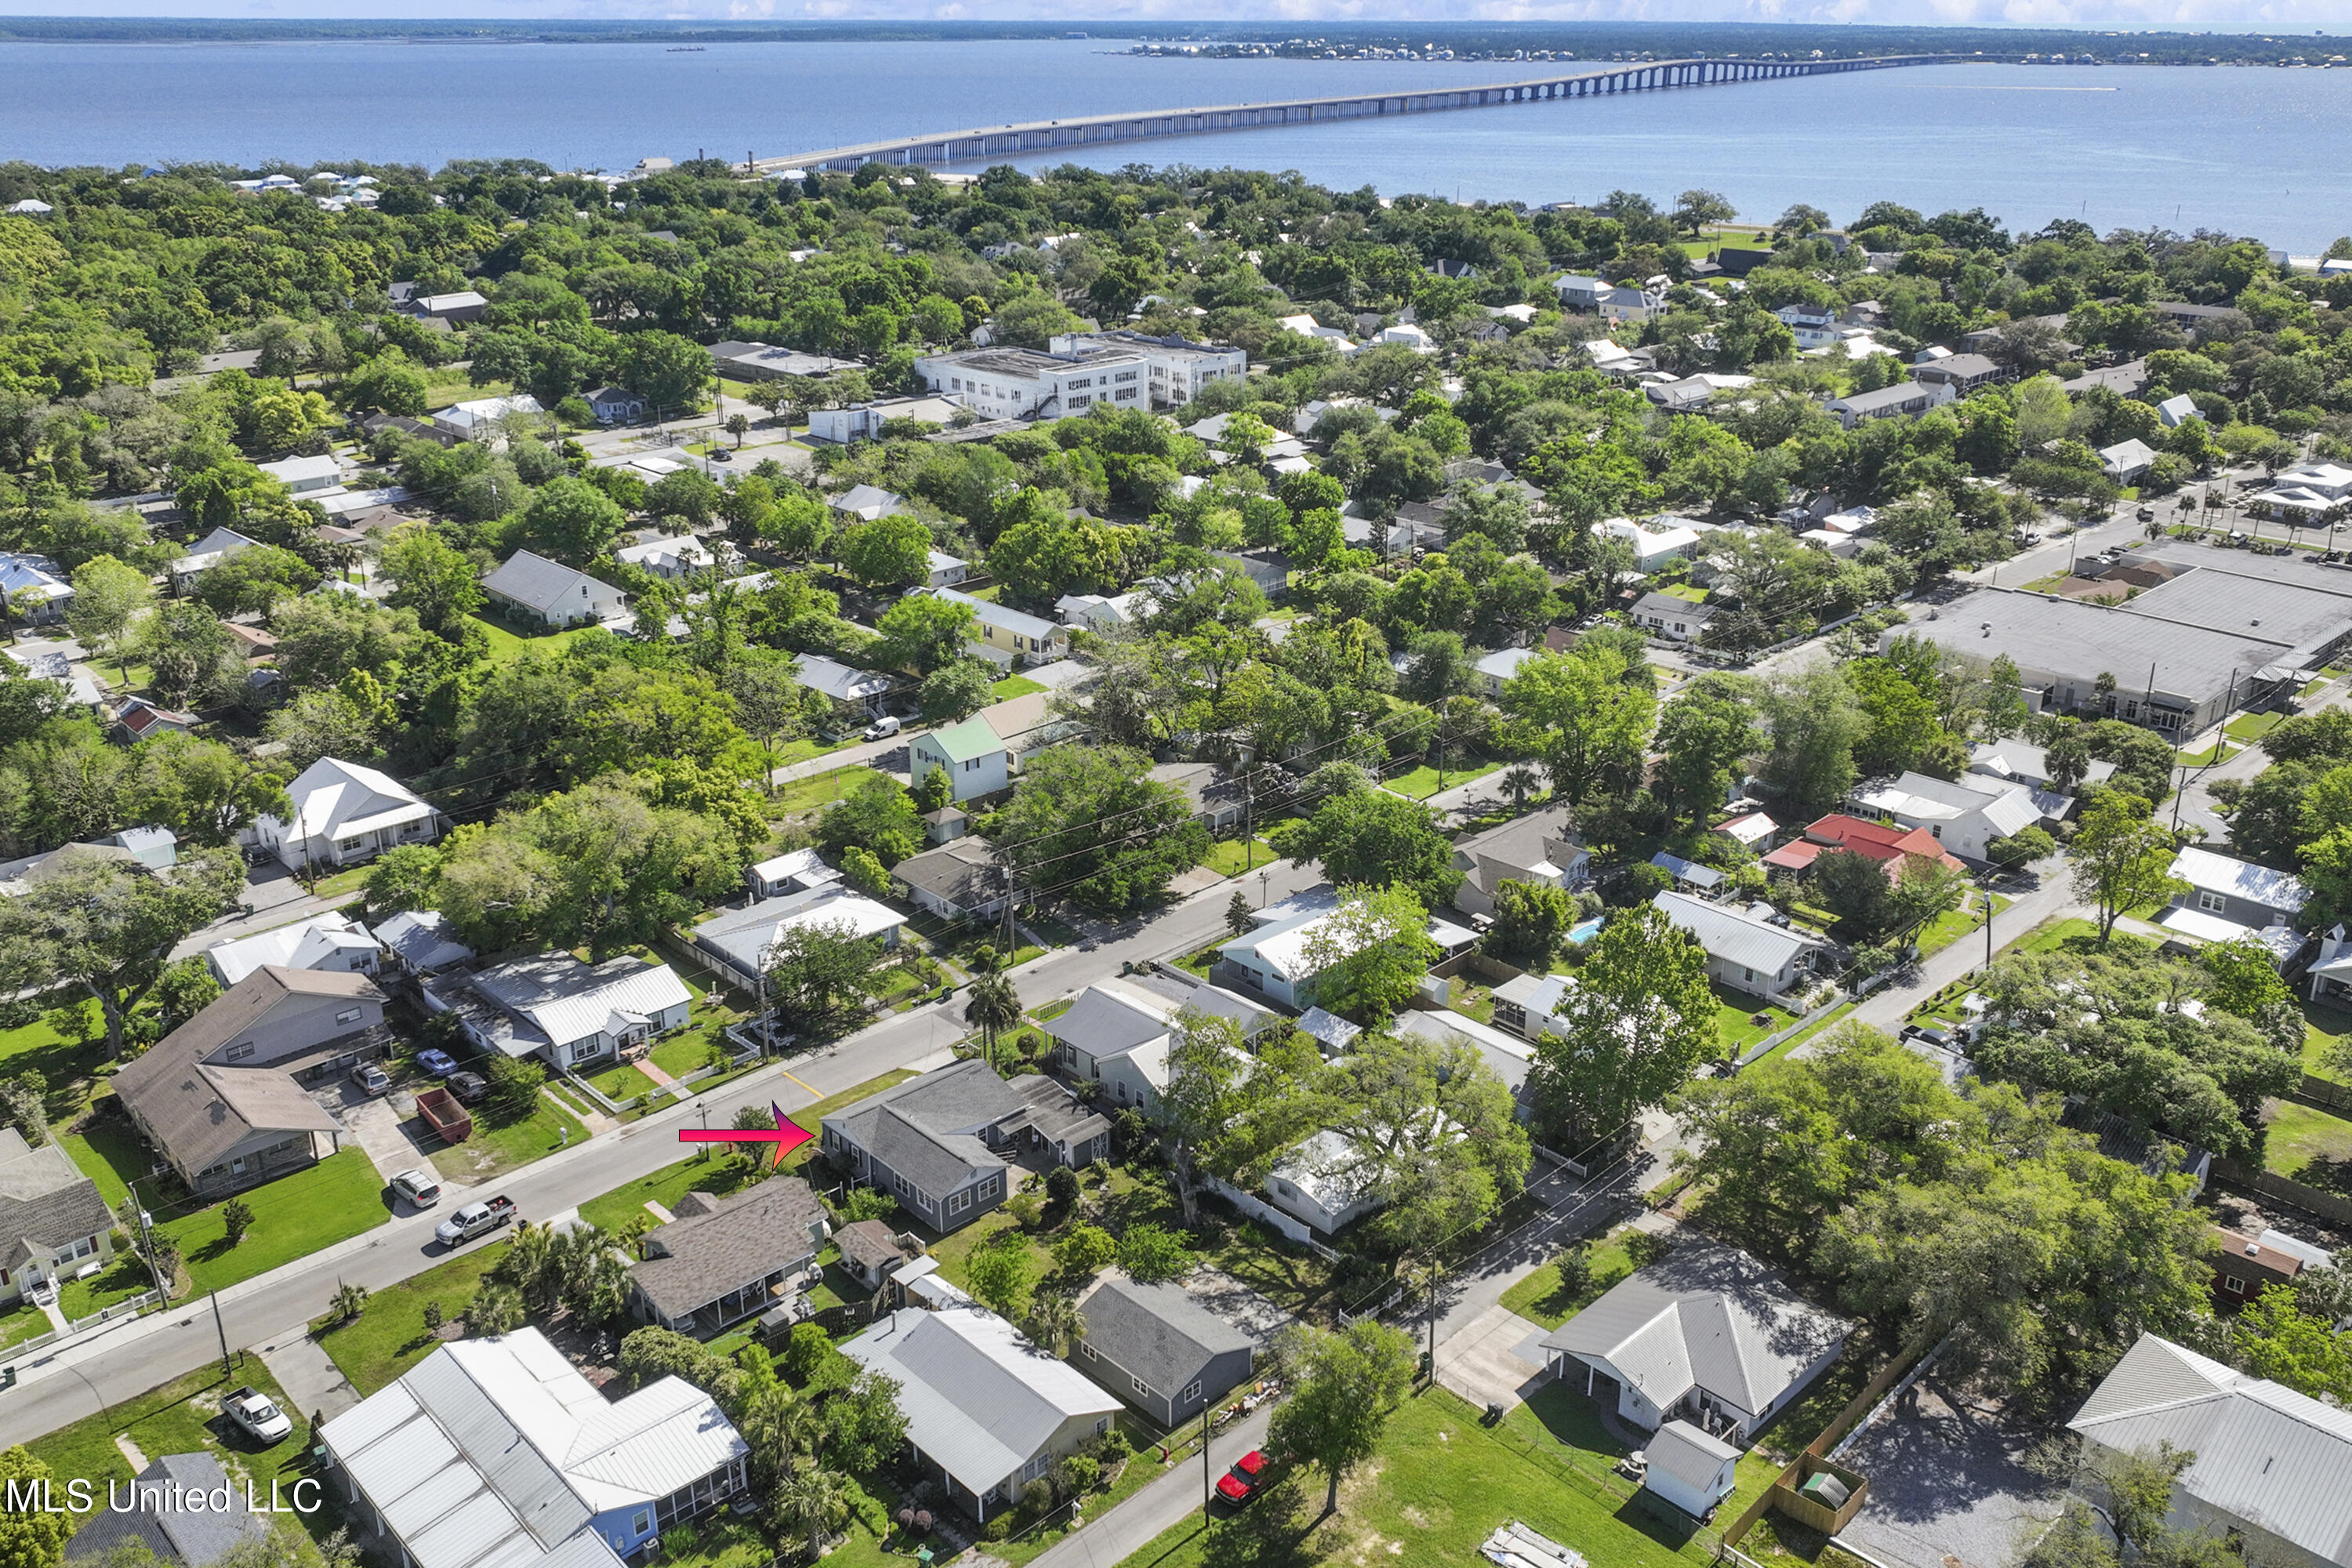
column 960, row 1202
column 2212, row 902
column 1140, row 1386
column 1747, row 973
column 972, row 767
column 1191, row 1393
column 641, row 1521
column 2233, row 1285
column 1035, row 1466
column 347, row 843
column 236, row 1166
column 1083, row 1349
column 239, row 1051
column 351, row 1015
column 1102, row 1425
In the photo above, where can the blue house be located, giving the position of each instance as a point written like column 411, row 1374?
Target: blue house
column 498, row 1453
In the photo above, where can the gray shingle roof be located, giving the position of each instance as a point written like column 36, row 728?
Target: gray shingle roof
column 45, row 1200
column 188, row 1536
column 1732, row 935
column 544, row 584
column 1157, row 1332
column 754, row 1233
column 1707, row 1317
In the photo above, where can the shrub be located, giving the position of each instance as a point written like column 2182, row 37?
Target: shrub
column 1644, row 1248
column 1079, row 1475
column 1062, row 1187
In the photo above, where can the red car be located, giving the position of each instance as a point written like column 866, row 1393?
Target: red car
column 1240, row 1484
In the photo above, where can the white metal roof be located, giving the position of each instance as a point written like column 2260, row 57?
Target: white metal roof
column 979, row 1399
column 568, row 1000
column 2209, row 873
column 747, row 935
column 1732, row 935
column 2264, row 1454
column 335, row 799
column 497, row 1453
column 322, row 941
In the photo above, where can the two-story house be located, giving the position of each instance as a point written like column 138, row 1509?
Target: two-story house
column 222, row 1097
column 1536, row 847
column 344, row 814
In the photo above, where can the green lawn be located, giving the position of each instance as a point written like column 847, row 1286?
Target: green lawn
column 1821, row 1026
column 124, row 1277
column 2219, row 751
column 70, row 1067
column 2252, row 727
column 492, row 1150
column 2322, row 1028
column 1953, row 925
column 620, row 1084
column 673, row 1181
column 389, row 1337
column 2309, row 1145
column 2052, row 935
column 1437, row 1487
column 1734, row 1011
column 688, row 1050
column 109, row 1154
column 350, row 879
column 1014, row 685
column 21, row 1320
column 182, row 1417
column 1543, row 1297
column 820, row 790
column 1688, row 591
column 806, row 747
column 506, row 646
column 338, row 1198
column 1232, row 858
column 1422, row 782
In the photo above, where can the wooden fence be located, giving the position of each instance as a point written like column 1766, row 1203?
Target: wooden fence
column 1859, row 1406
column 2311, row 1200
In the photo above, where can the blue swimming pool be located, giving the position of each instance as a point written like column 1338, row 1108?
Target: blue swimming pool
column 1583, row 933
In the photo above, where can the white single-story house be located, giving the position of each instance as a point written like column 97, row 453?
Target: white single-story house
column 551, row 592
column 1744, row 948
column 1653, row 547
column 668, row 558
column 987, row 1412
column 2126, row 462
column 963, row 879
column 1278, row 958
column 946, row 569
column 479, row 418
column 333, row 940
column 563, row 1011
column 301, row 476
column 1496, row 670
column 739, row 941
column 1667, row 615
column 206, row 553
column 1706, row 1334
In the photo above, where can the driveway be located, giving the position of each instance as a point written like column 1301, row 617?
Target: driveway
column 377, row 1122
column 1948, row 1484
column 1497, row 1359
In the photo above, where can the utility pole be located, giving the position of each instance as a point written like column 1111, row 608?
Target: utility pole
column 226, row 1369
column 147, row 1243
column 1207, row 1471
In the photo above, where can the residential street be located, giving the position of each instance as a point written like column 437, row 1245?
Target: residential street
column 1135, row 1523
column 137, row 1354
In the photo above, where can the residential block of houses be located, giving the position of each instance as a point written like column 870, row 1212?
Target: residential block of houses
column 944, row 1143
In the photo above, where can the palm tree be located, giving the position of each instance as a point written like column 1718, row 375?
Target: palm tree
column 351, row 1301
column 995, row 1005
column 1520, row 779
column 811, row 1500
column 1055, row 1322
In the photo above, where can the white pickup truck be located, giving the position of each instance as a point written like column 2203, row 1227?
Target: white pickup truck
column 254, row 1410
column 474, row 1219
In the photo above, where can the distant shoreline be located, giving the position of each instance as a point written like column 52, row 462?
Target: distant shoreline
column 1595, row 41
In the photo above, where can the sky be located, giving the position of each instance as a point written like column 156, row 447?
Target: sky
column 2333, row 17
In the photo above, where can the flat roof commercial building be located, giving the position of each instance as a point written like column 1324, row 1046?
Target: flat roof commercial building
column 1023, row 383
column 2181, row 654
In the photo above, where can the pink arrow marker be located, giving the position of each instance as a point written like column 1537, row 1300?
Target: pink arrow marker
column 788, row 1136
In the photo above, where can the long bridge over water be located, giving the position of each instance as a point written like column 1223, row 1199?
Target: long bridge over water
column 1046, row 135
